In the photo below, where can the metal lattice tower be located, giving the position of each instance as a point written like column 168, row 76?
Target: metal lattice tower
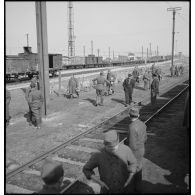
column 71, row 37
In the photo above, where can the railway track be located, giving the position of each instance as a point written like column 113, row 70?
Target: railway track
column 74, row 153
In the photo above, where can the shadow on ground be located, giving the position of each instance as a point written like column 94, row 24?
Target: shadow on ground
column 92, row 101
column 118, row 101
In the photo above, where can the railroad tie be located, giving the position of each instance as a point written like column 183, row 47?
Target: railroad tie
column 56, row 158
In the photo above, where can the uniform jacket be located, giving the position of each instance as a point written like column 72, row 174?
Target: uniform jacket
column 28, row 90
column 72, row 85
column 35, row 98
column 113, row 169
column 137, row 138
column 129, row 84
column 155, row 85
column 101, row 80
column 111, row 77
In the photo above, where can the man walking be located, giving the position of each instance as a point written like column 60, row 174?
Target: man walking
column 137, row 139
column 154, row 89
column 128, row 85
column 35, row 102
column 116, row 165
column 100, row 88
column 111, row 78
column 73, row 87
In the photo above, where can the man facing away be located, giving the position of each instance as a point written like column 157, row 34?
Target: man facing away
column 52, row 175
column 100, row 88
column 128, row 85
column 137, row 139
column 116, row 165
column 154, row 89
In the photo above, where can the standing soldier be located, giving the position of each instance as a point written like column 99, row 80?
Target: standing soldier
column 146, row 80
column 128, row 85
column 73, row 86
column 8, row 99
column 35, row 102
column 154, row 89
column 28, row 90
column 116, row 165
column 137, row 139
column 111, row 78
column 52, row 174
column 181, row 70
column 135, row 74
column 100, row 88
column 176, row 71
column 172, row 71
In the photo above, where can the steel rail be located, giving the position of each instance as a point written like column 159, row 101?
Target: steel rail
column 46, row 154
column 149, row 119
column 164, row 106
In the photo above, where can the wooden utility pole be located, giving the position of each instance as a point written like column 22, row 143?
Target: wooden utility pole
column 98, row 51
column 27, row 39
column 42, row 47
column 174, row 9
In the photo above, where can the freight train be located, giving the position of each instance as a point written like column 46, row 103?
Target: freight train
column 25, row 65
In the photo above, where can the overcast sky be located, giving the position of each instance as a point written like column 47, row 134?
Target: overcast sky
column 123, row 26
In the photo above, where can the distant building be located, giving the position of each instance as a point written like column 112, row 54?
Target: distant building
column 123, row 58
column 131, row 56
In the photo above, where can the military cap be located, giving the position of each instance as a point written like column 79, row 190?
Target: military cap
column 133, row 111
column 129, row 75
column 111, row 138
column 154, row 75
column 51, row 172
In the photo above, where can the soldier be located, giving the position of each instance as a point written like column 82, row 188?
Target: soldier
column 73, row 86
column 135, row 74
column 8, row 99
column 52, row 174
column 172, row 71
column 137, row 138
column 28, row 90
column 100, row 88
column 35, row 102
column 146, row 80
column 116, row 165
column 154, row 89
column 128, row 85
column 176, row 71
column 111, row 78
column 181, row 70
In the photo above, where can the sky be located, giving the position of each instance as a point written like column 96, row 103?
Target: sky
column 124, row 26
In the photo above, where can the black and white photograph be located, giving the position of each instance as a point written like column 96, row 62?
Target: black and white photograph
column 97, row 97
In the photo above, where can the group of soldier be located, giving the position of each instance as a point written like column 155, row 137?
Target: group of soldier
column 177, row 70
column 119, row 165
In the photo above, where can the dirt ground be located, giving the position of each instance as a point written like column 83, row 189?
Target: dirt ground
column 66, row 119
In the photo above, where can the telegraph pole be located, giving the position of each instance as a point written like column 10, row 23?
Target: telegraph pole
column 174, row 9
column 27, row 39
column 113, row 54
column 91, row 47
column 42, row 47
column 98, row 51
column 150, row 51
column 147, row 53
column 109, row 52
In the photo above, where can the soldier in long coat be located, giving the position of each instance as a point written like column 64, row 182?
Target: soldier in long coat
column 35, row 102
column 137, row 138
column 73, row 85
column 100, row 88
column 28, row 90
column 8, row 99
column 128, row 85
column 146, row 80
column 154, row 89
column 111, row 78
column 135, row 74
